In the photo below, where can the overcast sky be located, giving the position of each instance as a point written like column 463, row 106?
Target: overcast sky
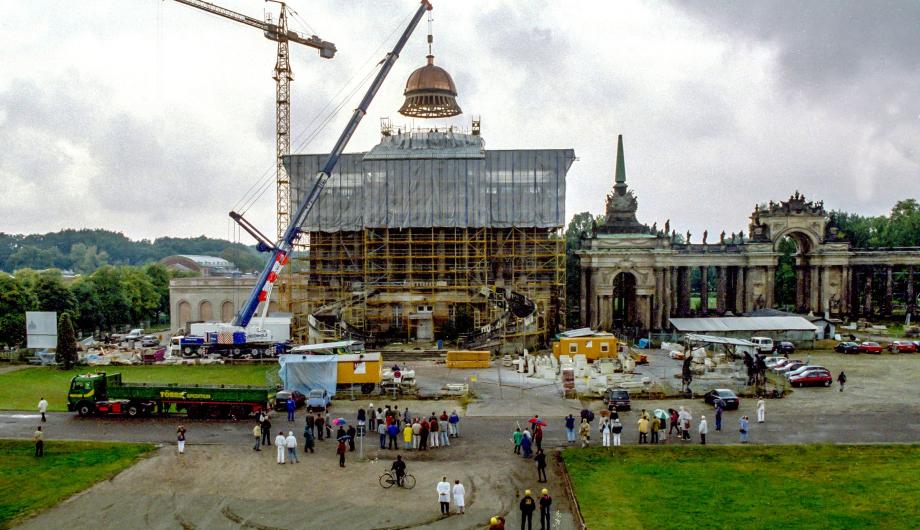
column 153, row 118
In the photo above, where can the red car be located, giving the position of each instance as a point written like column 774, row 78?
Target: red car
column 870, row 347
column 820, row 377
column 902, row 346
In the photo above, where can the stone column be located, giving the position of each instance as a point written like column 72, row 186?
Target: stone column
column 740, row 295
column 704, row 289
column 799, row 287
column 658, row 299
column 721, row 288
column 769, row 295
column 812, row 289
column 683, row 274
column 911, row 294
column 666, row 297
column 584, row 297
column 675, row 307
column 867, row 296
column 844, row 290
column 889, row 291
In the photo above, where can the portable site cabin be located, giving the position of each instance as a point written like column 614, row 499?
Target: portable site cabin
column 597, row 346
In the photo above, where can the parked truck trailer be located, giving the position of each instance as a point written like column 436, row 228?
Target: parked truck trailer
column 104, row 394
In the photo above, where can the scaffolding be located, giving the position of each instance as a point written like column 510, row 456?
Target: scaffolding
column 377, row 281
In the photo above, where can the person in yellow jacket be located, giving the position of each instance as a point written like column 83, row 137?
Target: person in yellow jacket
column 407, row 436
column 643, row 430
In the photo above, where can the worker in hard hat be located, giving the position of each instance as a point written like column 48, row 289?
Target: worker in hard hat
column 545, row 502
column 497, row 523
column 527, row 506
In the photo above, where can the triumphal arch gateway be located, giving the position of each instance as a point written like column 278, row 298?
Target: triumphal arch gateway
column 636, row 277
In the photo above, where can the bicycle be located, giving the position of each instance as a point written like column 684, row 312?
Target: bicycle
column 388, row 479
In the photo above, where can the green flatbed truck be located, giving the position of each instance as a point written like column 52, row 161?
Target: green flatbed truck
column 106, row 394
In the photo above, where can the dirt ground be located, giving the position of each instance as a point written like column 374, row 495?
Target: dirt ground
column 219, row 487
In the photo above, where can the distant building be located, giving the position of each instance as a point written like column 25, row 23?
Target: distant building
column 210, row 299
column 795, row 329
column 206, row 265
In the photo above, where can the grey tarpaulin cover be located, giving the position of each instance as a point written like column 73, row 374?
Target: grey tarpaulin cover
column 308, row 372
column 434, row 179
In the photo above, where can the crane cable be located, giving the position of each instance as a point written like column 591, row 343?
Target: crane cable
column 258, row 188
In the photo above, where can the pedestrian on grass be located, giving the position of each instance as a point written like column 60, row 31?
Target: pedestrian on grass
column 340, row 450
column 527, row 444
column 307, row 440
column 527, row 506
column 454, row 421
column 290, row 408
column 319, row 422
column 704, row 429
column 743, row 430
column 616, row 428
column 257, row 434
column 266, row 429
column 570, row 429
column 643, row 430
column 761, row 405
column 656, row 426
column 517, row 437
column 546, row 503
column 39, row 438
column 407, row 437
column 584, row 431
column 842, row 379
column 43, row 408
column 459, row 496
column 719, row 409
column 541, row 465
column 280, row 441
column 291, row 443
column 180, row 439
column 443, row 489
column 605, row 432
column 351, row 433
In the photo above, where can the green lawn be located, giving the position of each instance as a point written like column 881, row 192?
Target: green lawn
column 29, row 484
column 21, row 389
column 810, row 486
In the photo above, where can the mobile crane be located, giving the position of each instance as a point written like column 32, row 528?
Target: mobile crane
column 280, row 251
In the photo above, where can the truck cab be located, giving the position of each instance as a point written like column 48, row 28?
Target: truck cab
column 88, row 389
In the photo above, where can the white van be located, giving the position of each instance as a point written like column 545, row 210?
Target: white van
column 764, row 344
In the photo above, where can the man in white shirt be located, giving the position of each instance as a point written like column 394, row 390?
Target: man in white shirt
column 704, row 429
column 280, row 442
column 291, row 443
column 444, row 496
column 43, row 407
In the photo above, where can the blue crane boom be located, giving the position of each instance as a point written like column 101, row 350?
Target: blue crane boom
column 280, row 254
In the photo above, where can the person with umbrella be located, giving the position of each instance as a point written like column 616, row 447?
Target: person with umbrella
column 662, row 424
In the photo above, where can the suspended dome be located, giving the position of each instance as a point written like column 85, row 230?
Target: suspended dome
column 430, row 93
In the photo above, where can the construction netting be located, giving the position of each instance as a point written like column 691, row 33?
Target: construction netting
column 434, row 179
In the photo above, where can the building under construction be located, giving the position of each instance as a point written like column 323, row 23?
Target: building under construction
column 429, row 235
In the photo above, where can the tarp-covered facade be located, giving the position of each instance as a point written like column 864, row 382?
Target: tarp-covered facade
column 307, row 372
column 435, row 179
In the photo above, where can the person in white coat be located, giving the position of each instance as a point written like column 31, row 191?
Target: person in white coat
column 444, row 496
column 617, row 429
column 280, row 442
column 605, row 432
column 291, row 443
column 761, row 411
column 459, row 492
column 43, row 407
column 704, row 429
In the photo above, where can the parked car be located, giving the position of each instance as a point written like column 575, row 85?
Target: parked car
column 619, row 398
column 770, row 362
column 763, row 344
column 149, row 341
column 784, row 362
column 283, row 395
column 847, row 347
column 318, row 400
column 902, row 346
column 802, row 369
column 134, row 334
column 727, row 397
column 812, row 377
column 785, row 348
column 870, row 347
column 790, row 366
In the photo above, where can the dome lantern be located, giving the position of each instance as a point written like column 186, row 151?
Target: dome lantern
column 430, row 91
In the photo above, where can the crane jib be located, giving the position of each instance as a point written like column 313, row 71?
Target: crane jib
column 261, row 291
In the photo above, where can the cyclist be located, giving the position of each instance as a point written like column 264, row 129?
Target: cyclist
column 399, row 469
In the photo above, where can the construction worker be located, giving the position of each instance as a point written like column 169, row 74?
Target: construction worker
column 527, row 506
column 545, row 509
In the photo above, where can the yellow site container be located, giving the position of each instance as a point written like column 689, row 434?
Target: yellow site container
column 355, row 368
column 468, row 359
column 593, row 347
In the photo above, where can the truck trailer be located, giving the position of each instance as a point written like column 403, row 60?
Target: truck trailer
column 103, row 394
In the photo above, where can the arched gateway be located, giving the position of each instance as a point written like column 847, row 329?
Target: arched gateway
column 633, row 275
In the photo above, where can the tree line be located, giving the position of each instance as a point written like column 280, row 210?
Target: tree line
column 84, row 251
column 108, row 299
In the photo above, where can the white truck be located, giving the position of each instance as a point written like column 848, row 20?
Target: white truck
column 205, row 338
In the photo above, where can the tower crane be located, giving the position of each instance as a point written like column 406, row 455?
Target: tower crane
column 283, row 75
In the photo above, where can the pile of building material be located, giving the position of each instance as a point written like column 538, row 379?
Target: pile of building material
column 469, row 359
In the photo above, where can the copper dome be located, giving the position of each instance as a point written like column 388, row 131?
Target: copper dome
column 430, row 93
